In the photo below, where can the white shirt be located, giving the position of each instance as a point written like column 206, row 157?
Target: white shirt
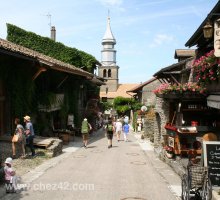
column 118, row 126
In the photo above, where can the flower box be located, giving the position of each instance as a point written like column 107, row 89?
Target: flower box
column 191, row 95
column 170, row 127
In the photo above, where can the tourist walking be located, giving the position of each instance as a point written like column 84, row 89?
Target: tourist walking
column 118, row 129
column 110, row 130
column 29, row 132
column 20, row 139
column 126, row 128
column 85, row 129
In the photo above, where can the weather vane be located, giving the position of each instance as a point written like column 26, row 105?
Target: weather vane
column 49, row 17
column 108, row 13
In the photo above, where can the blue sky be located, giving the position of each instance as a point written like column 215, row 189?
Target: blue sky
column 147, row 31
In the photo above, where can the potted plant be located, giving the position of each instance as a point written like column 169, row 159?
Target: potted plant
column 169, row 151
column 207, row 68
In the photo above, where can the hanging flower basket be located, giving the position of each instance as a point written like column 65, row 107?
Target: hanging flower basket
column 207, row 68
column 177, row 91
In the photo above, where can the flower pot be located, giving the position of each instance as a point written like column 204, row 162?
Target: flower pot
column 169, row 154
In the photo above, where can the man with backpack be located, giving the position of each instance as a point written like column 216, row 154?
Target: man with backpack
column 85, row 129
column 110, row 130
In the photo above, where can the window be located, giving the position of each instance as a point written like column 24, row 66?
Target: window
column 104, row 73
column 109, row 73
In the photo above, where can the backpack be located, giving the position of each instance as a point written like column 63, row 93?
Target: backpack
column 110, row 127
column 85, row 127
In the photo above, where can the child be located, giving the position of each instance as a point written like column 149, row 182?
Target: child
column 126, row 131
column 10, row 178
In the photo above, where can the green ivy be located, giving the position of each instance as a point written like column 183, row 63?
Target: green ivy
column 51, row 48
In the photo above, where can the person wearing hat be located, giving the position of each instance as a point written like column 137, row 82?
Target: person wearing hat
column 85, row 128
column 29, row 132
column 9, row 176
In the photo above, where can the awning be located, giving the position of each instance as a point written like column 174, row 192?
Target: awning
column 213, row 101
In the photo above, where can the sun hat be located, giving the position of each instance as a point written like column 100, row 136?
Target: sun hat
column 8, row 160
column 27, row 118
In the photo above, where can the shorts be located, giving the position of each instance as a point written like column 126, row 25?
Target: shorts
column 110, row 135
column 118, row 132
column 85, row 136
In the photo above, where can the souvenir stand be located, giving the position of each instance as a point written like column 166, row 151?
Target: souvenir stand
column 190, row 121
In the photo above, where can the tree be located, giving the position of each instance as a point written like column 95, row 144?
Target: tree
column 124, row 105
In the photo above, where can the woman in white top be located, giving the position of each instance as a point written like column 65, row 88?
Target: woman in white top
column 118, row 129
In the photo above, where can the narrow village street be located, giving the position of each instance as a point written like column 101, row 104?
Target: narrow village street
column 128, row 170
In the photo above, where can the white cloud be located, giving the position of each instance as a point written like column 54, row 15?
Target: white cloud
column 161, row 39
column 111, row 2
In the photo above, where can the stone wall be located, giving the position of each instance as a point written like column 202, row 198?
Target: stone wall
column 148, row 97
column 149, row 128
column 162, row 117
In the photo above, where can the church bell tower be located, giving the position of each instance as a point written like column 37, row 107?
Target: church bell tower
column 108, row 69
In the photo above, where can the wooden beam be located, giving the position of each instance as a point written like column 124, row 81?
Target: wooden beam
column 40, row 70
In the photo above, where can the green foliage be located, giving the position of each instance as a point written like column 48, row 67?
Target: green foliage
column 20, row 88
column 51, row 48
column 123, row 105
column 122, row 101
column 106, row 105
column 136, row 105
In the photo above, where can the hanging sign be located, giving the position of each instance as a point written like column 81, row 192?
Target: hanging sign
column 217, row 38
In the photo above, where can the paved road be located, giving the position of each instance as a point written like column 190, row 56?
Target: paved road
column 129, row 171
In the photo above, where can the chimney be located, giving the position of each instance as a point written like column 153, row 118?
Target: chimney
column 53, row 33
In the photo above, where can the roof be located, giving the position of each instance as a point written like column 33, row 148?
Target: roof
column 140, row 86
column 184, row 53
column 173, row 67
column 121, row 91
column 198, row 37
column 98, row 80
column 18, row 50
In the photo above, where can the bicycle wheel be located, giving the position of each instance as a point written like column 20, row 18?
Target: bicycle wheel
column 185, row 188
column 207, row 190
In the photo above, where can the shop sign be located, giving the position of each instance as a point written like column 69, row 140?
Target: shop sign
column 217, row 38
column 212, row 160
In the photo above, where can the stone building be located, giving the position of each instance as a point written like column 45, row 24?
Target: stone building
column 166, row 110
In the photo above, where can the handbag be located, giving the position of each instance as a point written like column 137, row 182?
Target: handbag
column 15, row 138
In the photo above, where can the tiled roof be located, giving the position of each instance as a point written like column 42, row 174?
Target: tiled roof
column 122, row 89
column 51, row 62
column 172, row 67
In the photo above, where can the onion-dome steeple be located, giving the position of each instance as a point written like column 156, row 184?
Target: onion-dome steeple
column 108, row 37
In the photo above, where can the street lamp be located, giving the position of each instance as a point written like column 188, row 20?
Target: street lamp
column 208, row 30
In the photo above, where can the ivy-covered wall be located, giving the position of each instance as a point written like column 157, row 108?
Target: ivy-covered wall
column 51, row 48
